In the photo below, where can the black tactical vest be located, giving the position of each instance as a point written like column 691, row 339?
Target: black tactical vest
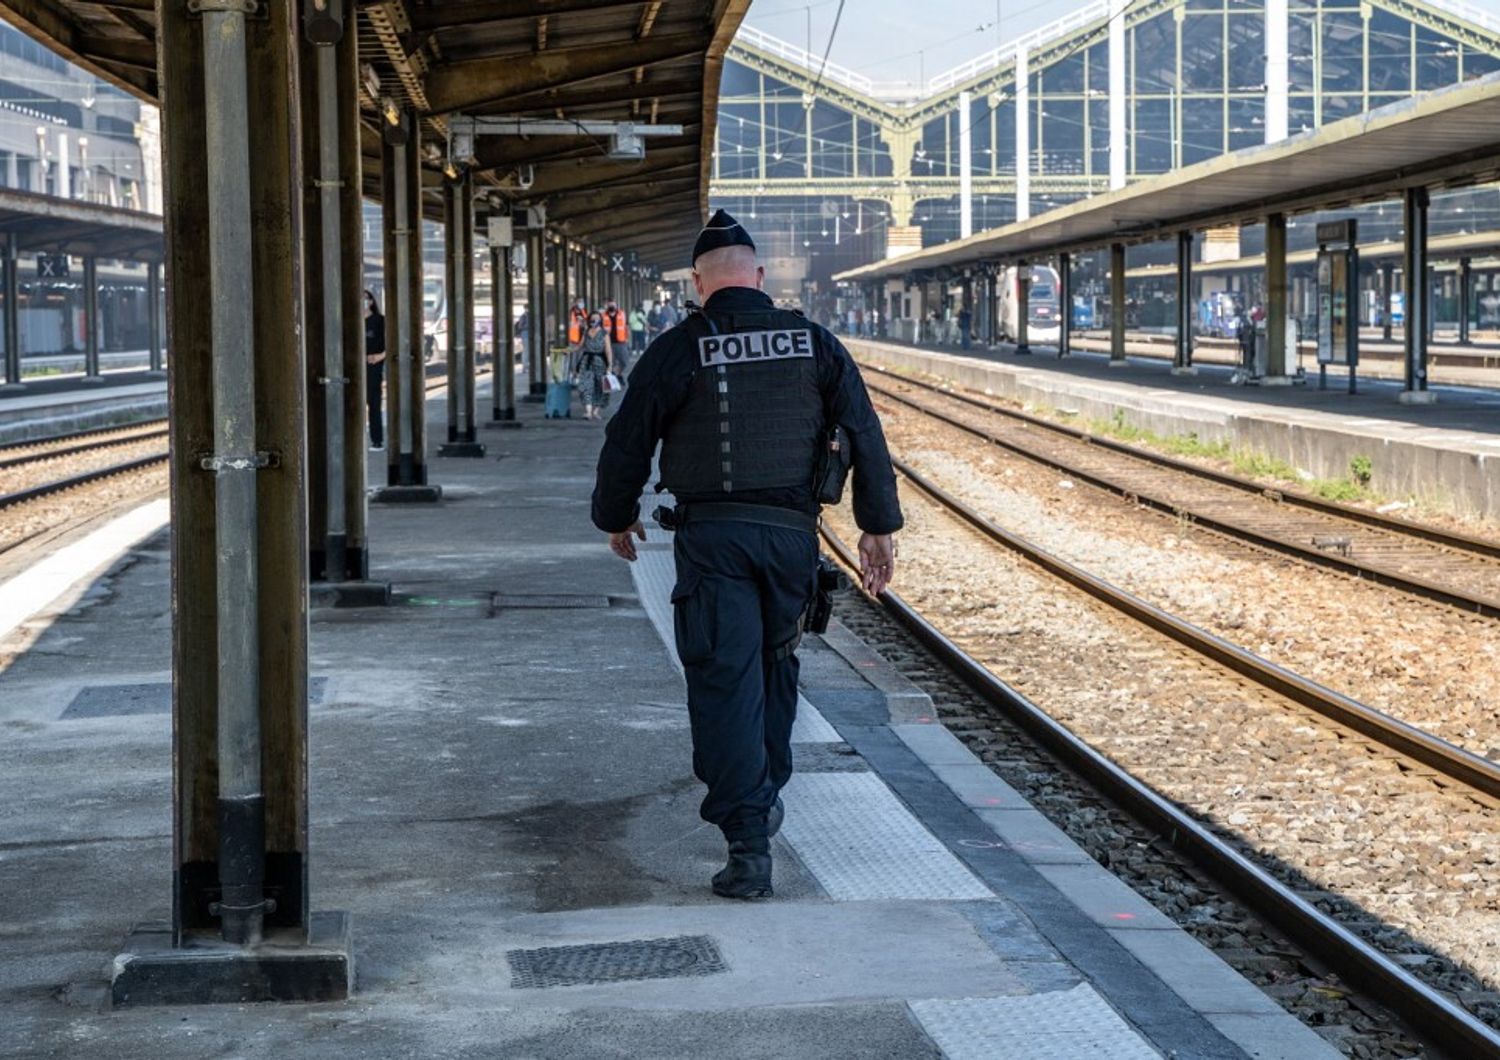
column 754, row 414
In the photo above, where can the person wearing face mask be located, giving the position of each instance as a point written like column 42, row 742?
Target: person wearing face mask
column 593, row 357
column 578, row 318
column 374, row 370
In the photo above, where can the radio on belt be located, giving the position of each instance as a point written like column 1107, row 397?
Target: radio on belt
column 744, row 347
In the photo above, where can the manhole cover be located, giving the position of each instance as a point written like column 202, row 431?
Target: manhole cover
column 614, row 962
column 541, row 601
column 115, row 701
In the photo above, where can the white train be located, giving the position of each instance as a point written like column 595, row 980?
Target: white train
column 1044, row 319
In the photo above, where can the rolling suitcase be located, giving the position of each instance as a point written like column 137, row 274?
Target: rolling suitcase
column 559, row 401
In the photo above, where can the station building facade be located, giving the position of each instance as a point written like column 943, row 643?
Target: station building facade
column 837, row 170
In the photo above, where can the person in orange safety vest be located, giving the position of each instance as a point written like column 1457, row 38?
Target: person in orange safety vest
column 578, row 320
column 617, row 327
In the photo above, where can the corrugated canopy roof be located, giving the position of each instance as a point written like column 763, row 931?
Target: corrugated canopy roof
column 643, row 61
column 69, row 226
column 1450, row 136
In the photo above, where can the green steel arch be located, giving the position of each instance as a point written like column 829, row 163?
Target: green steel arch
column 835, row 166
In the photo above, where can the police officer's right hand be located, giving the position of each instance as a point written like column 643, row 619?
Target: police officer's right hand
column 621, row 544
column 877, row 561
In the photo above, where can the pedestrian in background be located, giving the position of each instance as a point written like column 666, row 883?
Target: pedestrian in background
column 637, row 331
column 374, row 370
column 593, row 358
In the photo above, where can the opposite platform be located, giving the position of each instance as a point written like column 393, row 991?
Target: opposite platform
column 502, row 799
column 1446, row 454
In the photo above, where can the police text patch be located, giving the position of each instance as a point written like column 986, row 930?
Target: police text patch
column 751, row 346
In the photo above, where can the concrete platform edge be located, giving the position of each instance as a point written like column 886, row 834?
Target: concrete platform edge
column 1459, row 469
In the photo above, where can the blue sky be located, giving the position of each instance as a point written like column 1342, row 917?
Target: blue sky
column 898, row 40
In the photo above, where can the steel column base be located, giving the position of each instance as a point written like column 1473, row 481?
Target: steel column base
column 407, row 495
column 1118, row 362
column 1417, row 397
column 1190, row 370
column 12, row 388
column 205, row 970
column 1276, row 380
column 91, row 379
column 349, row 594
column 533, row 399
column 468, row 449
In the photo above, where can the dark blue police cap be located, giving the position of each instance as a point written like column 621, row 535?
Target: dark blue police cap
column 721, row 231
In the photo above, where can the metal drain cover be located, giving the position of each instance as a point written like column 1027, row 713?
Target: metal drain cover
column 545, row 602
column 118, row 701
column 614, row 962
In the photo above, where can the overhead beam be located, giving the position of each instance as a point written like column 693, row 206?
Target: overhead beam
column 600, row 201
column 481, row 82
column 585, row 174
column 49, row 27
column 482, row 12
column 618, row 218
column 136, row 54
column 570, row 98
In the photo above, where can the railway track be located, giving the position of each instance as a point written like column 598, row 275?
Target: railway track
column 1436, row 564
column 1290, row 909
column 55, row 447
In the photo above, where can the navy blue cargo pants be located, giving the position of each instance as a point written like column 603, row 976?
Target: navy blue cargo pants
column 740, row 593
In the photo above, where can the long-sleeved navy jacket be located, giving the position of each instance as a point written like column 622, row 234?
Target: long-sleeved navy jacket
column 659, row 386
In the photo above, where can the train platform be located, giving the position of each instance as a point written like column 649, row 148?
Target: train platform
column 58, row 404
column 501, row 799
column 1446, row 454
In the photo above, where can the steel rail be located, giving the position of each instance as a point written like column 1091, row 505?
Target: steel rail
column 10, row 500
column 1435, row 535
column 88, row 447
column 1463, row 767
column 68, row 436
column 1439, row 1019
column 1410, row 583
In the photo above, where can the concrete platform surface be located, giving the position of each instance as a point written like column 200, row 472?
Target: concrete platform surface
column 502, row 801
column 1446, row 453
column 56, row 405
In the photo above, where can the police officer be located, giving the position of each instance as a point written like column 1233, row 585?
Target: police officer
column 741, row 396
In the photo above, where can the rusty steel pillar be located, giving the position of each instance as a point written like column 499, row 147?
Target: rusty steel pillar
column 12, row 314
column 1418, row 305
column 1117, row 306
column 405, row 369
column 333, row 293
column 242, row 929
column 503, row 330
column 458, row 199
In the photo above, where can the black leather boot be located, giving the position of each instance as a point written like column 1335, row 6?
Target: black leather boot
column 748, row 874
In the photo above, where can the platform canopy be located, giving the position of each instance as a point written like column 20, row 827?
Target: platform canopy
column 51, row 225
column 651, row 62
column 1447, row 137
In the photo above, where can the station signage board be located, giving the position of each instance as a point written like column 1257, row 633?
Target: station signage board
column 52, row 267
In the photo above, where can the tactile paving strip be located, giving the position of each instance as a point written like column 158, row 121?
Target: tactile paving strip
column 1071, row 1024
column 655, row 573
column 614, row 962
column 863, row 844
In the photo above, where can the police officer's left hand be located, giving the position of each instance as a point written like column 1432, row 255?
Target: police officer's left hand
column 622, row 545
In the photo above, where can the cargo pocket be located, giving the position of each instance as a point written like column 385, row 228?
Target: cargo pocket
column 693, row 620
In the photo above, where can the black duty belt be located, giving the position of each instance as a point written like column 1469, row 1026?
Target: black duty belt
column 730, row 512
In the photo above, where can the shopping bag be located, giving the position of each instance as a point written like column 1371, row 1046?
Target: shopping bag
column 611, row 382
